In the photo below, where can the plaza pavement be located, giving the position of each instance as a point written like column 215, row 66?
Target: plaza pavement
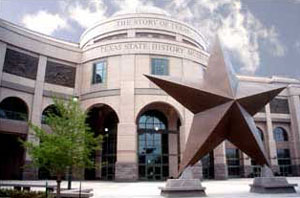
column 231, row 188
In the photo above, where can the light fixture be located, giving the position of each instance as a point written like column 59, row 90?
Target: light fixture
column 106, row 129
column 75, row 99
column 156, row 128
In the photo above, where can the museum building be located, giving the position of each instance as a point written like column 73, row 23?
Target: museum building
column 145, row 129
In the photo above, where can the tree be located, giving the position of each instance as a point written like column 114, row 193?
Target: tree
column 69, row 144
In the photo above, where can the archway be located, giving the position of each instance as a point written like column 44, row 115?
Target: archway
column 255, row 167
column 43, row 173
column 158, row 142
column 103, row 120
column 11, row 151
column 283, row 152
column 13, row 108
column 51, row 109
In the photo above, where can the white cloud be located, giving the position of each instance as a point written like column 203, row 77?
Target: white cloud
column 297, row 46
column 44, row 22
column 133, row 6
column 87, row 15
column 239, row 30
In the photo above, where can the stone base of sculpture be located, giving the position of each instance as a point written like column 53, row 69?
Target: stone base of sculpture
column 268, row 183
column 185, row 186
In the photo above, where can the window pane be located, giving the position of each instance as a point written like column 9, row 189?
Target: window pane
column 280, row 134
column 99, row 74
column 159, row 66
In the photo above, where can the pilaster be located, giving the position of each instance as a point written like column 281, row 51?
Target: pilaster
column 220, row 165
column 246, row 171
column 2, row 58
column 78, row 79
column 271, row 144
column 173, row 147
column 31, row 173
column 294, row 106
column 126, row 165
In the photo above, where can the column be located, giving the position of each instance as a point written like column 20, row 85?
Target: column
column 36, row 111
column 184, row 135
column 246, row 161
column 197, row 170
column 294, row 106
column 173, row 147
column 78, row 80
column 271, row 144
column 2, row 58
column 126, row 165
column 220, row 165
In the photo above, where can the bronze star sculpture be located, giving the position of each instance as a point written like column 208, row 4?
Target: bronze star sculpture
column 223, row 108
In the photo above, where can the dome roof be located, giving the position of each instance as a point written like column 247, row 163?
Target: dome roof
column 143, row 10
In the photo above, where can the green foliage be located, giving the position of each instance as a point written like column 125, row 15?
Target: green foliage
column 21, row 194
column 70, row 144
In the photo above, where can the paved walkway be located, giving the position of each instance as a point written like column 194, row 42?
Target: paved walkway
column 232, row 188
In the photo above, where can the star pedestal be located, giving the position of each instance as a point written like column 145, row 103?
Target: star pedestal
column 268, row 183
column 185, row 186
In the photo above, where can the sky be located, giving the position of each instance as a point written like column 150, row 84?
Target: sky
column 260, row 37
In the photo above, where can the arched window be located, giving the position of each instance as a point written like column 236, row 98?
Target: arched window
column 51, row 109
column 153, row 146
column 13, row 108
column 153, row 120
column 280, row 135
column 260, row 133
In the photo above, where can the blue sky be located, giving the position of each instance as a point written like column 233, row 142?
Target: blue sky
column 261, row 37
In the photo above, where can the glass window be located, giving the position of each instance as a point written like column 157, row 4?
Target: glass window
column 99, row 72
column 280, row 135
column 153, row 146
column 233, row 162
column 159, row 66
column 260, row 133
column 284, row 162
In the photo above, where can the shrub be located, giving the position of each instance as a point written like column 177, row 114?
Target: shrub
column 21, row 194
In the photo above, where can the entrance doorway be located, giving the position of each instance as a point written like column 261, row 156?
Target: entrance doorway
column 153, row 146
column 103, row 120
column 12, row 156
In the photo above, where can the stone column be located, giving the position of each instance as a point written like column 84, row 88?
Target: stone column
column 98, row 159
column 126, row 165
column 220, row 165
column 197, row 170
column 271, row 144
column 294, row 106
column 173, row 148
column 78, row 79
column 2, row 58
column 246, row 161
column 36, row 111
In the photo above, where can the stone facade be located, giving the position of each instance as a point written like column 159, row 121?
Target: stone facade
column 128, row 44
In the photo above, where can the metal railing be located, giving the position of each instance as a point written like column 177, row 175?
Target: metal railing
column 13, row 115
